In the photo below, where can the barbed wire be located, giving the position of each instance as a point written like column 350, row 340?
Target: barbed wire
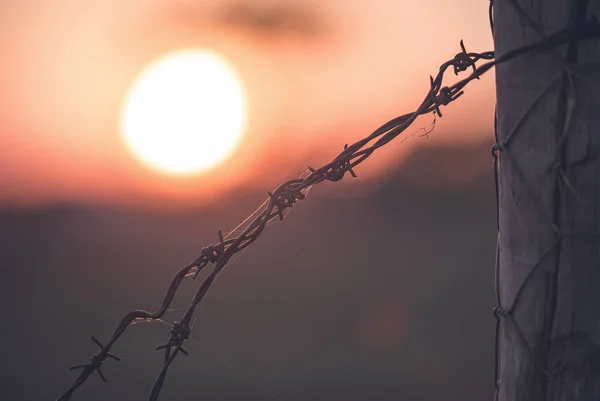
column 504, row 311
column 284, row 197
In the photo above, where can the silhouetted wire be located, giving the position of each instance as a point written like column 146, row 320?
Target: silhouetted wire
column 579, row 30
column 284, row 197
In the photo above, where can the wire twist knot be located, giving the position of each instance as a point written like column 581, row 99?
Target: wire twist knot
column 179, row 333
column 463, row 60
column 500, row 312
column 496, row 148
column 97, row 360
column 285, row 199
column 445, row 96
column 211, row 253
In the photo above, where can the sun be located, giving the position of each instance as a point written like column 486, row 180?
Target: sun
column 185, row 113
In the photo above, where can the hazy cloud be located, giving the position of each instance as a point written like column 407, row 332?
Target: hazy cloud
column 274, row 18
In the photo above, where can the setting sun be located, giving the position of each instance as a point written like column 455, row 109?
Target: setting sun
column 185, row 113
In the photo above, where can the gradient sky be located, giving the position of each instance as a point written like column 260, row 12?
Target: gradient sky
column 319, row 74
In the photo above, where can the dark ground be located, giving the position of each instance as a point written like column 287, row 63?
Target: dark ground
column 386, row 297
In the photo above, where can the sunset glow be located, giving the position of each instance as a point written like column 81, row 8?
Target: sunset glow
column 156, row 104
column 185, row 113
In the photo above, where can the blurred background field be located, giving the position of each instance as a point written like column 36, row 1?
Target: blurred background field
column 376, row 288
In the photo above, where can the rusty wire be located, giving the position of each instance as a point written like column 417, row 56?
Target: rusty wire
column 503, row 311
column 286, row 196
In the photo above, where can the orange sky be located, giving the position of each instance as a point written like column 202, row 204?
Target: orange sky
column 319, row 74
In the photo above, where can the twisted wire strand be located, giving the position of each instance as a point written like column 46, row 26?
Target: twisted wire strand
column 286, row 196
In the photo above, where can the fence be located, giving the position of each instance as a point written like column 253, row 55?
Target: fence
column 284, row 197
